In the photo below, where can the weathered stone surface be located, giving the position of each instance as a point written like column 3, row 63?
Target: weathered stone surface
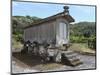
column 58, row 57
column 70, row 58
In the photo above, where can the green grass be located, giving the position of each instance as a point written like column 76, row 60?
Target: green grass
column 16, row 44
column 81, row 47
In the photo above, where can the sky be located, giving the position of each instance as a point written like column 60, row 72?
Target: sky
column 42, row 10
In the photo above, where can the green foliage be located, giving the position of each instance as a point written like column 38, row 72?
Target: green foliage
column 83, row 32
column 23, row 21
column 92, row 42
column 85, row 29
column 77, row 39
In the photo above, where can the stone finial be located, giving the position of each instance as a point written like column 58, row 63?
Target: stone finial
column 66, row 9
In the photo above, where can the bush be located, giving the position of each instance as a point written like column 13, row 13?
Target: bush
column 92, row 42
column 18, row 37
column 78, row 39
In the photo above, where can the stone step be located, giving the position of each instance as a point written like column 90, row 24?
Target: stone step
column 75, row 63
column 75, row 60
column 71, row 58
column 67, row 51
column 71, row 55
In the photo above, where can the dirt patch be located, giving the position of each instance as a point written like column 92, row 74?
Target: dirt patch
column 30, row 60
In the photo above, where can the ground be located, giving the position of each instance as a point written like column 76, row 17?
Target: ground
column 27, row 63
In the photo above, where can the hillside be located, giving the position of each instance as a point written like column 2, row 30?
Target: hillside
column 82, row 30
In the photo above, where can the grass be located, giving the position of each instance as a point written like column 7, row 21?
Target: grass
column 16, row 45
column 81, row 47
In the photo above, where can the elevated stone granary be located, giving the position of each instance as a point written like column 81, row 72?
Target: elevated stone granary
column 54, row 28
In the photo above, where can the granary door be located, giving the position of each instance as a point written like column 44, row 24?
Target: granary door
column 62, row 33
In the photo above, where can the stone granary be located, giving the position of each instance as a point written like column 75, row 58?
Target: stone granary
column 51, row 29
column 54, row 31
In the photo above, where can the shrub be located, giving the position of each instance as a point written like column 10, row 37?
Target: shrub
column 92, row 42
column 78, row 39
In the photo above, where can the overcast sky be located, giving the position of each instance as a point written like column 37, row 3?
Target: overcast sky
column 42, row 10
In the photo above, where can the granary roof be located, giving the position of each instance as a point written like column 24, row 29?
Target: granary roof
column 64, row 14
